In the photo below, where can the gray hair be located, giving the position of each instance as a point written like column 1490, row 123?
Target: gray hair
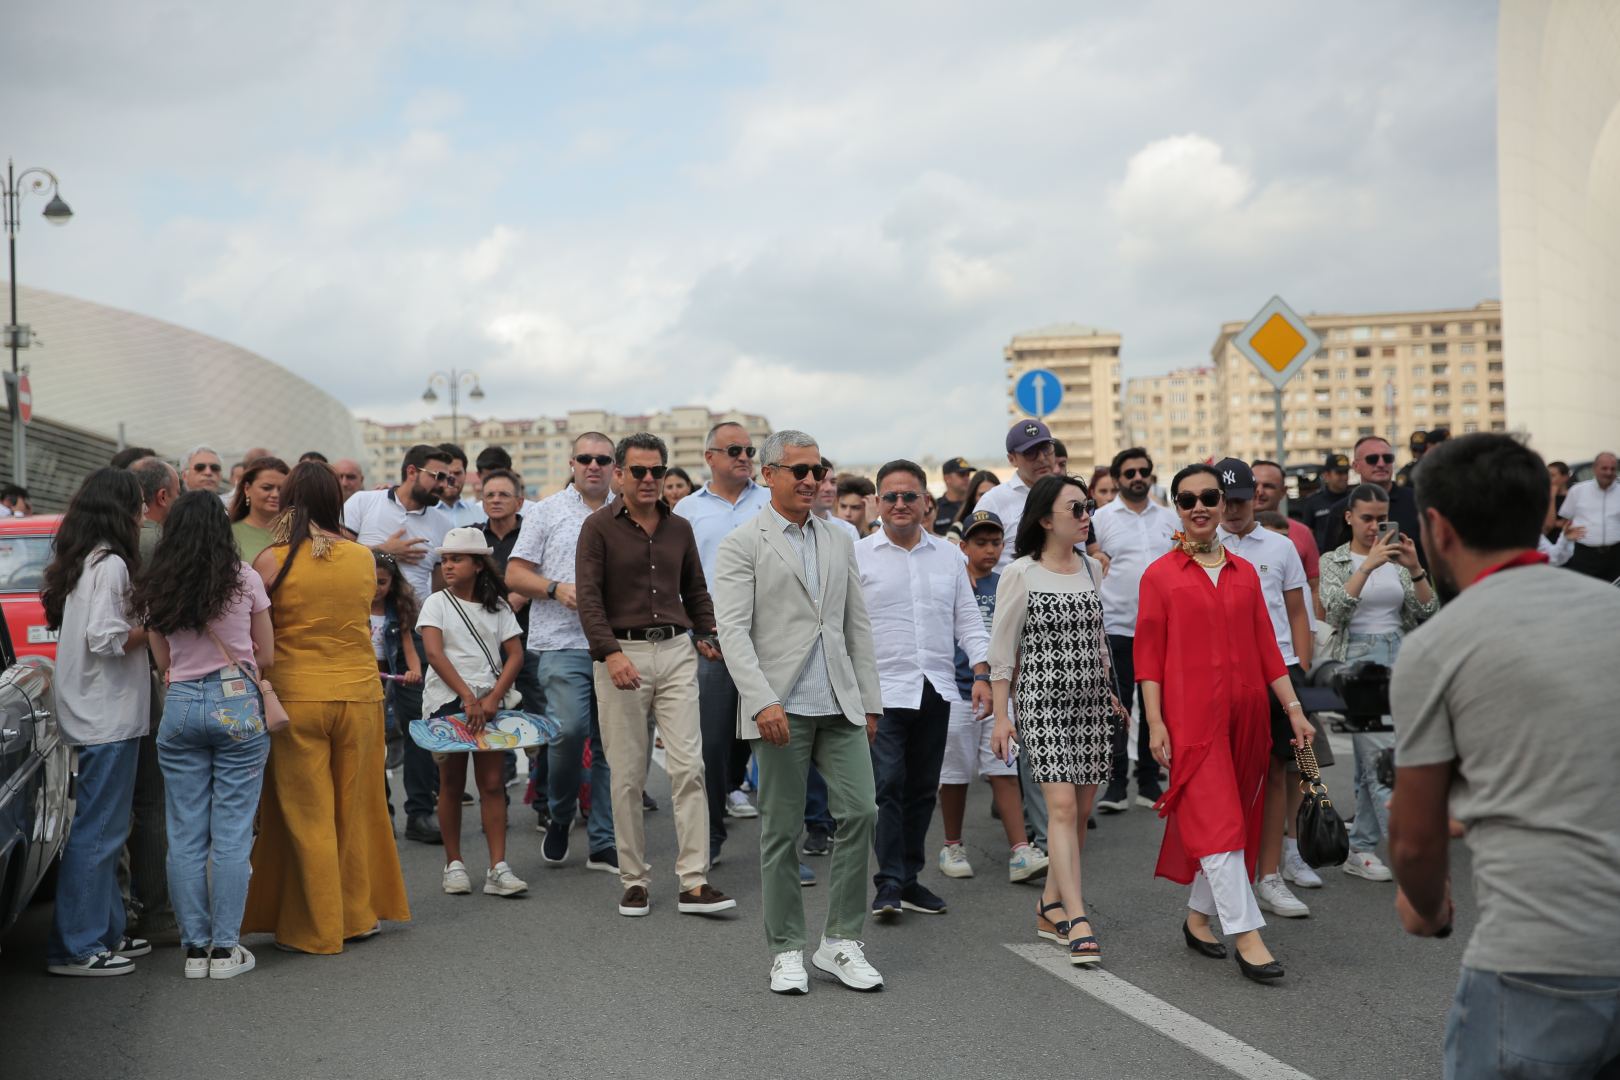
column 778, row 442
column 195, row 450
column 154, row 475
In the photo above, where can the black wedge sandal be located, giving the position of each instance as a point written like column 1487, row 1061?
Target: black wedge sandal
column 1057, row 931
column 1083, row 951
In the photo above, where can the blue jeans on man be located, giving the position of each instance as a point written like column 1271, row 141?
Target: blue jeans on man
column 567, row 680
column 212, row 772
column 906, row 759
column 1525, row 1025
column 90, row 917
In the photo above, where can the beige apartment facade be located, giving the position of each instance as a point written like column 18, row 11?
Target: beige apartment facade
column 1173, row 417
column 1086, row 362
column 541, row 447
column 1378, row 374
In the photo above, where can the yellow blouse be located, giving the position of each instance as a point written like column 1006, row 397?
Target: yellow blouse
column 322, row 617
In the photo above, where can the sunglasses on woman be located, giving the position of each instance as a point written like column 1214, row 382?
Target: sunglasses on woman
column 1210, row 497
column 802, row 470
column 1081, row 507
column 640, row 472
column 594, row 459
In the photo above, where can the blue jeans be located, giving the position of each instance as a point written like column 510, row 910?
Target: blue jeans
column 567, row 680
column 213, row 750
column 90, row 915
column 1510, row 1025
column 1372, row 798
column 906, row 759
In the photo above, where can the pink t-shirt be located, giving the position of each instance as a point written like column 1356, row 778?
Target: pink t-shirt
column 193, row 655
column 1305, row 544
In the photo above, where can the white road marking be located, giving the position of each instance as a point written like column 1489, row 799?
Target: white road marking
column 1174, row 1024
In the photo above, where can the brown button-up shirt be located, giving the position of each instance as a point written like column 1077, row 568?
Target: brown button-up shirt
column 626, row 580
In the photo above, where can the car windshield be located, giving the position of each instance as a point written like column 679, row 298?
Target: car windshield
column 22, row 563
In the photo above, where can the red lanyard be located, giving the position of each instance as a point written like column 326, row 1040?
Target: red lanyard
column 1524, row 558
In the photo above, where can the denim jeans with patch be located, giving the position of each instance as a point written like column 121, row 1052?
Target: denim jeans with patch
column 212, row 745
column 1506, row 1025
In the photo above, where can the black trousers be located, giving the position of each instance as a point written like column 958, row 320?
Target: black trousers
column 1598, row 562
column 1121, row 649
column 906, row 759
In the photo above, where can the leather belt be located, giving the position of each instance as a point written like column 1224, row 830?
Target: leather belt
column 649, row 633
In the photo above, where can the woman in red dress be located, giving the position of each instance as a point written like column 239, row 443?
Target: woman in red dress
column 1205, row 654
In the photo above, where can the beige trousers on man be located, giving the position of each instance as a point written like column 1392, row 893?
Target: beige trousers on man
column 669, row 694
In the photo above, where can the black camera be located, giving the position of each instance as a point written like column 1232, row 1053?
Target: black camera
column 1358, row 691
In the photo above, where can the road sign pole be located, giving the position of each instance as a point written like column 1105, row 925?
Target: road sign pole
column 1279, row 395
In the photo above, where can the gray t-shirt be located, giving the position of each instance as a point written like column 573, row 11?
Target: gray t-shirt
column 1516, row 681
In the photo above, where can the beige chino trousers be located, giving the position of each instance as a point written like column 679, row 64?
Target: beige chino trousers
column 669, row 694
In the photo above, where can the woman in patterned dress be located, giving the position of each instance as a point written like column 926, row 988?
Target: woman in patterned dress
column 1048, row 661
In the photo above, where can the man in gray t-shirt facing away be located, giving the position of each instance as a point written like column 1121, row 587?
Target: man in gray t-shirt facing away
column 1504, row 706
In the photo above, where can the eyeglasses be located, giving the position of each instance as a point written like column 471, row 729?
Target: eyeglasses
column 594, row 459
column 739, row 450
column 1188, row 499
column 907, row 497
column 802, row 470
column 1081, row 507
column 640, row 471
column 436, row 477
column 1380, row 459
column 1132, row 474
column 203, row 466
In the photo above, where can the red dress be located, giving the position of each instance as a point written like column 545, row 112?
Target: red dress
column 1213, row 653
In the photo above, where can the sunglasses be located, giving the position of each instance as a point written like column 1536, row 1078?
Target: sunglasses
column 640, row 471
column 594, row 459
column 1081, row 507
column 801, row 471
column 907, row 497
column 204, row 467
column 1132, row 474
column 436, row 477
column 1380, row 459
column 739, row 450
column 1188, row 499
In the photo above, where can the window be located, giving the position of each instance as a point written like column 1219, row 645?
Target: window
column 1437, row 329
column 1324, row 434
column 1344, row 435
column 1344, row 395
column 1324, row 414
column 1494, row 367
column 1498, row 425
column 1365, row 412
column 1419, row 370
column 1466, row 369
column 1363, row 393
column 1442, row 409
column 1470, row 409
column 1179, row 397
column 1420, row 350
column 1420, row 391
column 1465, row 328
column 1363, row 373
column 1322, row 374
column 1495, row 388
column 1470, row 389
column 1237, row 401
column 1345, row 413
column 1387, row 351
column 1324, row 395
column 1470, row 427
column 1437, row 350
column 1362, row 352
column 1387, row 332
column 1336, row 334
column 1497, row 408
column 1420, row 410
column 1442, row 389
column 1439, row 370
column 1417, row 331
column 1339, row 354
column 1360, row 333
column 1343, row 374
column 1493, row 346
column 1466, row 348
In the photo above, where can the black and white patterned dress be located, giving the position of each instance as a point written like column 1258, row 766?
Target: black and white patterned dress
column 1048, row 637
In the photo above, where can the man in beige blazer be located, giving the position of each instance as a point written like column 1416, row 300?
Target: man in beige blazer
column 797, row 642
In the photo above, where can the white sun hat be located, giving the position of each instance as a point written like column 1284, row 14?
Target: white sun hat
column 467, row 540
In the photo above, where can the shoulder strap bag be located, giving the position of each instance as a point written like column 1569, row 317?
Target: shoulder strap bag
column 512, row 699
column 275, row 714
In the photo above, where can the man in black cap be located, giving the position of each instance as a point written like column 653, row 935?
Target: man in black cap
column 1420, row 443
column 957, row 473
column 1334, row 480
column 1031, row 454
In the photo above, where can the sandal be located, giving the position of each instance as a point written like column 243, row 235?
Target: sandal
column 1058, row 930
column 1086, row 950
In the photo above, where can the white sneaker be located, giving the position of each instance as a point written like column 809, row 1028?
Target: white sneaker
column 197, row 966
column 239, row 962
column 953, row 861
column 456, row 882
column 101, row 964
column 844, row 960
column 1298, row 871
column 788, row 974
column 500, row 881
column 1027, row 862
column 1364, row 864
column 737, row 805
column 1274, row 897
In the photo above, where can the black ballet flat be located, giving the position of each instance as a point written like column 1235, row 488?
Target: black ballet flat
column 1268, row 972
column 1212, row 949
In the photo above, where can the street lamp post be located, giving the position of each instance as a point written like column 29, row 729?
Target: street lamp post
column 17, row 336
column 454, row 380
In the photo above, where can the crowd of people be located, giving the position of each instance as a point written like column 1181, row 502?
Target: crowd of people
column 836, row 655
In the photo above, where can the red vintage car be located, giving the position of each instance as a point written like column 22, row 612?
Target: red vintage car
column 25, row 551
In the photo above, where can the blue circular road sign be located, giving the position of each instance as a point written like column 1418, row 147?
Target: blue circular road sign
column 1038, row 392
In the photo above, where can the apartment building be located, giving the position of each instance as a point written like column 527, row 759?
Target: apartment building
column 1173, row 416
column 1086, row 362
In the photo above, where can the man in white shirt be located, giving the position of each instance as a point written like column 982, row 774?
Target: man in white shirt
column 541, row 567
column 1282, row 583
column 1594, row 505
column 921, row 604
column 461, row 512
column 1129, row 534
column 827, row 502
column 1031, row 454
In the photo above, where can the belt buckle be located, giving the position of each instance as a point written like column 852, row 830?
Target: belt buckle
column 658, row 633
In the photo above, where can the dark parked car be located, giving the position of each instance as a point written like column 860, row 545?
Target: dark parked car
column 36, row 779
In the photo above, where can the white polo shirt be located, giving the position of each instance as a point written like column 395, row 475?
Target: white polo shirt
column 1006, row 501
column 1276, row 560
column 1132, row 541
column 1597, row 510
column 374, row 516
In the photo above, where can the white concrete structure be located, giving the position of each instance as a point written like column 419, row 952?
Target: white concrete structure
column 1558, row 147
column 95, row 367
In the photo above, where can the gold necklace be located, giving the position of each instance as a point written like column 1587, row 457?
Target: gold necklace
column 1212, row 565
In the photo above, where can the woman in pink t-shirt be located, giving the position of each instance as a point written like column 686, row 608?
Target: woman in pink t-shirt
column 210, row 624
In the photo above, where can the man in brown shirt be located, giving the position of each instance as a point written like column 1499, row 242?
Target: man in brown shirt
column 640, row 590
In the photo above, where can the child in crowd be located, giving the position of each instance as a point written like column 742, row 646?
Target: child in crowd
column 1273, row 520
column 967, row 747
column 464, row 628
column 394, row 611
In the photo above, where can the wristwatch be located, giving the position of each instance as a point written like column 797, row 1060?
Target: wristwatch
column 1421, row 575
column 551, row 590
column 981, row 678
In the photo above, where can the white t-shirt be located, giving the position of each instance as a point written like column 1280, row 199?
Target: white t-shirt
column 461, row 648
column 1277, row 562
column 378, row 641
column 1379, row 611
column 1006, row 501
column 1132, row 542
column 374, row 516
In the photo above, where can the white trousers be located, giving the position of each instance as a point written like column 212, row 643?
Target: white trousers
column 1222, row 889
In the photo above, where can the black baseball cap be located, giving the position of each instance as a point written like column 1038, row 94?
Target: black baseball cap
column 981, row 519
column 1237, row 479
column 955, row 466
column 1336, row 463
column 1419, row 440
column 1025, row 434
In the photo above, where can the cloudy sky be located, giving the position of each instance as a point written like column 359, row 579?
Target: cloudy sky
column 835, row 214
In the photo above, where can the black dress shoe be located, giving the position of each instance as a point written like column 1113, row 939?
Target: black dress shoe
column 423, row 828
column 1267, row 972
column 1212, row 949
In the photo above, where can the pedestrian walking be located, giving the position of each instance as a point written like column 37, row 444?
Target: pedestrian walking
column 956, row 472
column 256, row 505
column 209, row 619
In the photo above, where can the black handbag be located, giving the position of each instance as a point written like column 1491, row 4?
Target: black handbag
column 1323, row 839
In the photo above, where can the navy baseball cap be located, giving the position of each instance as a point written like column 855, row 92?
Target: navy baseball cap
column 981, row 519
column 1336, row 463
column 956, row 466
column 1237, row 479
column 1025, row 434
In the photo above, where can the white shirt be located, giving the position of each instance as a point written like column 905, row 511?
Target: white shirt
column 1596, row 509
column 712, row 517
column 1006, row 501
column 837, row 522
column 462, row 649
column 547, row 541
column 1382, row 596
column 464, row 512
column 103, row 692
column 921, row 604
column 1276, row 560
column 1132, row 541
column 376, row 515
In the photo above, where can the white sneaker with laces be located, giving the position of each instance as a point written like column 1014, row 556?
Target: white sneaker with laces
column 1027, row 862
column 1364, row 864
column 1298, row 871
column 738, row 806
column 456, row 882
column 239, row 962
column 787, row 973
column 1274, row 897
column 845, row 960
column 197, row 966
column 953, row 861
column 500, row 881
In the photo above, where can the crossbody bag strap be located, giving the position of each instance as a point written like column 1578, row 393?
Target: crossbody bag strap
column 1108, row 660
column 247, row 665
column 473, row 630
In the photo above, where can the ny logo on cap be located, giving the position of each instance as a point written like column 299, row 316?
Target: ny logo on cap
column 1032, row 429
column 1228, row 477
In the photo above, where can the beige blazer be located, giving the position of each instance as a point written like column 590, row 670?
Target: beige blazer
column 768, row 620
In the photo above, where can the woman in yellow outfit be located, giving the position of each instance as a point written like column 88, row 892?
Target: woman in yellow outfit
column 325, row 869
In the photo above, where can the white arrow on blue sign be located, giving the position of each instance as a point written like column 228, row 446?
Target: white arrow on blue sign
column 1038, row 392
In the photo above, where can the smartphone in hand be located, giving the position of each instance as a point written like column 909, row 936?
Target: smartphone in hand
column 1389, row 532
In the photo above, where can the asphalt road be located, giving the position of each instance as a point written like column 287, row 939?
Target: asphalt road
column 557, row 984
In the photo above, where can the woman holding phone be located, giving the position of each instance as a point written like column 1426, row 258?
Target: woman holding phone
column 1374, row 592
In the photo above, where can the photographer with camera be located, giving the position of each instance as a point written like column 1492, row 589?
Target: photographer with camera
column 1374, row 593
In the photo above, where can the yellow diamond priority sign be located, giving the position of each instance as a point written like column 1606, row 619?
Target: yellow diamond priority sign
column 1277, row 341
